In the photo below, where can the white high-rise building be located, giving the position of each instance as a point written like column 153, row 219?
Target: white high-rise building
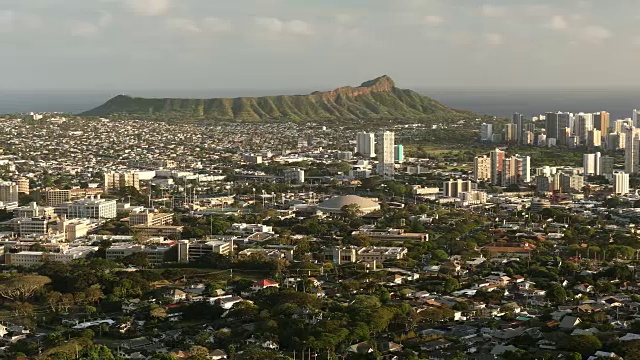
column 583, row 123
column 621, row 183
column 486, row 132
column 631, row 148
column 497, row 156
column 8, row 192
column 386, row 143
column 482, row 168
column 366, row 144
column 591, row 164
column 524, row 168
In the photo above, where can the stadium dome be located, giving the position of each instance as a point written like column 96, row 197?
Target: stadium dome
column 335, row 204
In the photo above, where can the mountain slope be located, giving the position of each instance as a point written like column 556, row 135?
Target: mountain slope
column 375, row 99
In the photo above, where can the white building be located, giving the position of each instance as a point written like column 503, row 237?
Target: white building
column 482, row 168
column 632, row 146
column 294, row 175
column 523, row 164
column 621, row 183
column 386, row 142
column 591, row 164
column 8, row 191
column 92, row 209
column 366, row 144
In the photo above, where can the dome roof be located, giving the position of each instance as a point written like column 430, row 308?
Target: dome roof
column 335, row 204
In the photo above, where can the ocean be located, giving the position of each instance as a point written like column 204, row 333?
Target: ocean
column 503, row 102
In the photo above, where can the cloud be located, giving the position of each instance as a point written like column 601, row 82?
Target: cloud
column 433, row 20
column 595, row 34
column 183, row 25
column 214, row 24
column 489, row 10
column 149, row 7
column 558, row 23
column 275, row 26
column 494, row 39
column 105, row 20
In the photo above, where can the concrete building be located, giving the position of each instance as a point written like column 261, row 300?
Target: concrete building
column 189, row 251
column 35, row 258
column 33, row 210
column 497, row 157
column 482, row 168
column 8, row 191
column 523, row 164
column 114, row 181
column 510, row 133
column 601, row 121
column 73, row 229
column 571, row 182
column 591, row 164
column 621, row 183
column 56, row 197
column 486, row 132
column 509, row 171
column 555, row 125
column 92, row 208
column 165, row 231
column 606, row 166
column 366, row 144
column 386, row 143
column 147, row 218
column 23, row 185
column 294, row 175
column 31, row 226
column 631, row 149
column 583, row 124
column 594, row 138
column 518, row 121
column 453, row 188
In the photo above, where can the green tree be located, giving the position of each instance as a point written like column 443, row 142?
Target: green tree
column 583, row 344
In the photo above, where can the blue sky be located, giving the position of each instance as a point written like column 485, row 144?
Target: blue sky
column 194, row 45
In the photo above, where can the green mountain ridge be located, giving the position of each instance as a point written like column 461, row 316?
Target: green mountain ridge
column 374, row 99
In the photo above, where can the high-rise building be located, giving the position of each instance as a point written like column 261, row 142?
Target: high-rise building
column 594, row 138
column 621, row 183
column 544, row 183
column 8, row 191
column 517, row 120
column 631, row 148
column 606, row 166
column 583, row 123
column 386, row 140
column 497, row 156
column 601, row 121
column 591, row 164
column 571, row 182
column 509, row 171
column 482, row 168
column 114, row 181
column 23, row 185
column 294, row 175
column 523, row 164
column 510, row 133
column 398, row 153
column 615, row 141
column 635, row 117
column 453, row 188
column 486, row 132
column 555, row 122
column 366, row 144
column 619, row 125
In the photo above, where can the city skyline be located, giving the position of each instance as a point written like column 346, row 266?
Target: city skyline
column 116, row 45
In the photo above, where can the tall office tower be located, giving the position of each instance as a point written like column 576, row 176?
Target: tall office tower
column 497, row 156
column 591, row 164
column 116, row 181
column 523, row 164
column 631, row 148
column 544, row 183
column 366, row 144
column 398, row 153
column 385, row 142
column 8, row 191
column 482, row 168
column 454, row 187
column 601, row 121
column 486, row 132
column 510, row 131
column 614, row 141
column 509, row 171
column 555, row 122
column 606, row 166
column 594, row 138
column 621, row 183
column 528, row 138
column 517, row 120
column 634, row 117
column 583, row 123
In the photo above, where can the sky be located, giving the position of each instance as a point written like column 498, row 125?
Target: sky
column 134, row 46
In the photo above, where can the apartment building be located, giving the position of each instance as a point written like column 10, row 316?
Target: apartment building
column 92, row 208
